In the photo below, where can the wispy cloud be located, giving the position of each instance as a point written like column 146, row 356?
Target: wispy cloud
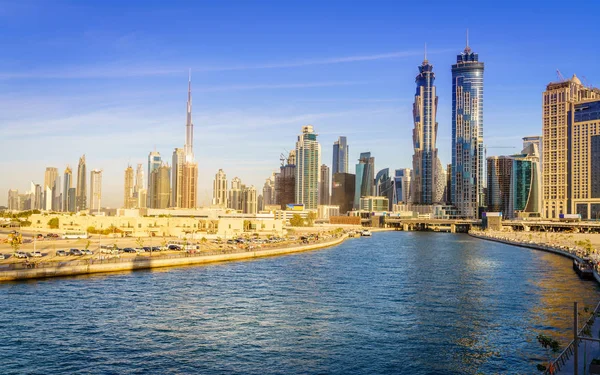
column 135, row 69
column 279, row 86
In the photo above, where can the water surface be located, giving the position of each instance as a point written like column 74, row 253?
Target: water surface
column 396, row 303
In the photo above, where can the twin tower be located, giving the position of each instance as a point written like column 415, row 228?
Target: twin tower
column 465, row 189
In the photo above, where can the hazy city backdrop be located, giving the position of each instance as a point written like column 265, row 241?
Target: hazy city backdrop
column 72, row 86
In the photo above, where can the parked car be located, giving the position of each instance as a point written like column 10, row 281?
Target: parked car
column 128, row 250
column 61, row 253
column 174, row 247
column 156, row 248
column 35, row 254
column 21, row 254
column 87, row 252
column 75, row 252
column 139, row 250
column 147, row 248
column 3, row 256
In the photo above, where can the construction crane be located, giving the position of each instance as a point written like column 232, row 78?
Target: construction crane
column 560, row 76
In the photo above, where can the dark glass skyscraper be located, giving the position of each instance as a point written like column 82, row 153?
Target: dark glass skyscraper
column 467, row 134
column 365, row 178
column 425, row 156
column 340, row 156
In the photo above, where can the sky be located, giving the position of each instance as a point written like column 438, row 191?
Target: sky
column 108, row 79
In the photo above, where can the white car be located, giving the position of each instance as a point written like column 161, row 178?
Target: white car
column 20, row 254
column 35, row 254
column 2, row 256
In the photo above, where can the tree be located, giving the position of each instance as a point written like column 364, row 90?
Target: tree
column 550, row 345
column 312, row 216
column 53, row 223
column 297, row 221
column 15, row 242
column 247, row 224
column 87, row 244
column 139, row 241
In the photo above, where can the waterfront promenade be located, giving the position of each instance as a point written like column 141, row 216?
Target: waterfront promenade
column 588, row 325
column 100, row 264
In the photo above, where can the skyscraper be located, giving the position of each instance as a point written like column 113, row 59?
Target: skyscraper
column 129, row 201
column 68, row 184
column 50, row 178
column 269, row 194
column 189, row 187
column 340, row 156
column 285, row 181
column 425, row 157
column 189, row 190
column 177, row 177
column 81, row 199
column 56, row 195
column 235, row 194
column 38, row 197
column 154, row 162
column 467, row 133
column 342, row 191
column 95, row 190
column 139, row 178
column 189, row 126
column 402, row 186
column 13, row 200
column 220, row 189
column 308, row 160
column 536, row 140
column 499, row 175
column 250, row 200
column 384, row 187
column 365, row 178
column 571, row 114
column 161, row 187
column 324, row 185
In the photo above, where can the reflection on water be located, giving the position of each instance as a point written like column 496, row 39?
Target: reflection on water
column 410, row 303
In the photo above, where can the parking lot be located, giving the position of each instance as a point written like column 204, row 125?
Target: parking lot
column 56, row 249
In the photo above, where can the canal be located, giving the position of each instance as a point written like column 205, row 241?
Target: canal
column 395, row 303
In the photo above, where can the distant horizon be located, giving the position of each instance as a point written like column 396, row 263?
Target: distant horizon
column 72, row 86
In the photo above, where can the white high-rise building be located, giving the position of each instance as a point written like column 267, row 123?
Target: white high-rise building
column 95, row 190
column 235, row 194
column 220, row 189
column 177, row 167
column 250, row 201
column 308, row 162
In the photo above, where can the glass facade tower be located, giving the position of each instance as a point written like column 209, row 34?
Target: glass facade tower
column 425, row 159
column 340, row 156
column 467, row 134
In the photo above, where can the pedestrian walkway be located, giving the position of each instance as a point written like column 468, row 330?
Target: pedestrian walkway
column 588, row 350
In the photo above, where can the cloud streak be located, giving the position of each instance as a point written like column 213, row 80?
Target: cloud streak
column 133, row 69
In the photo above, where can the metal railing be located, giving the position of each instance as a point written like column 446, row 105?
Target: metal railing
column 566, row 354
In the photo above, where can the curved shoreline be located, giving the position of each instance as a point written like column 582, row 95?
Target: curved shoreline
column 74, row 270
column 545, row 248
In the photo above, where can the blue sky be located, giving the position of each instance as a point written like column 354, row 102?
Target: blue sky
column 109, row 79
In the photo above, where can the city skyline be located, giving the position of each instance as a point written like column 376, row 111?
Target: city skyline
column 373, row 112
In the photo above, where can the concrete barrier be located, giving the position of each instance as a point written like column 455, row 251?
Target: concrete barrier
column 45, row 272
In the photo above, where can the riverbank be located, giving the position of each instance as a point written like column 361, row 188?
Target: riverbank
column 557, row 244
column 118, row 265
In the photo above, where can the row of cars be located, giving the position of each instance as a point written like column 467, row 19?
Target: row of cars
column 76, row 252
column 23, row 255
column 107, row 249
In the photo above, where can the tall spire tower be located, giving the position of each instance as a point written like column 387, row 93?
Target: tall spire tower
column 189, row 127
